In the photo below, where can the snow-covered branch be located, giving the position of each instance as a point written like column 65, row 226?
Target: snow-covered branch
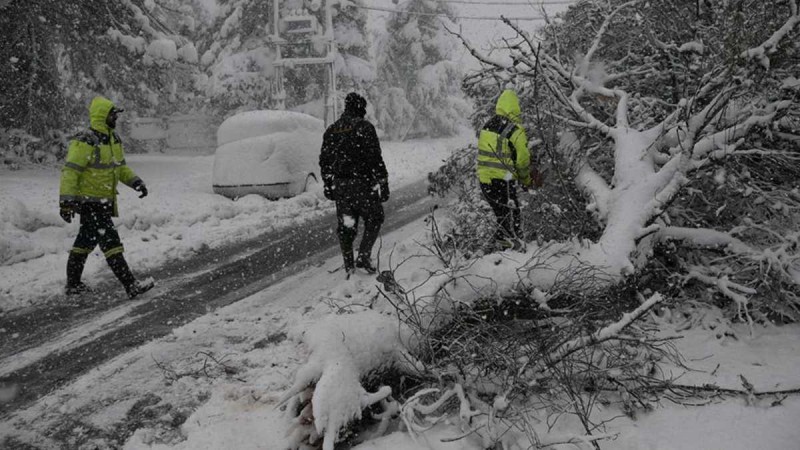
column 729, row 289
column 596, row 188
column 705, row 238
column 761, row 53
column 603, row 334
column 730, row 134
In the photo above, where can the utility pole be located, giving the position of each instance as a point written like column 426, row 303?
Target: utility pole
column 278, row 90
column 304, row 23
column 330, row 86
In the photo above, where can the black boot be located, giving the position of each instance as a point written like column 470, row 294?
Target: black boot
column 75, row 264
column 123, row 273
column 363, row 262
column 349, row 264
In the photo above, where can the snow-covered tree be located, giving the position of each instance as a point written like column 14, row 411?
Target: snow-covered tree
column 354, row 67
column 57, row 56
column 414, row 69
column 667, row 122
column 237, row 55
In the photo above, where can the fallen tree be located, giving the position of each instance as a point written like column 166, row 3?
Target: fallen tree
column 639, row 150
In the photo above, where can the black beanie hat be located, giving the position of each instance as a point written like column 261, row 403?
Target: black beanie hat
column 355, row 104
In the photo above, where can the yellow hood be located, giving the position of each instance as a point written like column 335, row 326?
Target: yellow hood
column 98, row 113
column 508, row 106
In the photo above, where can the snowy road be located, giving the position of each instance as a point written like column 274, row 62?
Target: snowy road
column 58, row 341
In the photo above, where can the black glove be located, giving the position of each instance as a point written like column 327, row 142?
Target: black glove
column 67, row 210
column 139, row 186
column 329, row 191
column 384, row 186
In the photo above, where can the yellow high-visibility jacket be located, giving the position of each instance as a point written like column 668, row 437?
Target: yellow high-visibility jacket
column 503, row 146
column 95, row 161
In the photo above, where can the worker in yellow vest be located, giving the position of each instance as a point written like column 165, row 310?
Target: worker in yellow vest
column 504, row 161
column 95, row 163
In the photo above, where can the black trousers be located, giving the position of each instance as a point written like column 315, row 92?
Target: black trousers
column 348, row 213
column 502, row 197
column 97, row 228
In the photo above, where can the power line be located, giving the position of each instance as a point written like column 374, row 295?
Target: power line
column 420, row 13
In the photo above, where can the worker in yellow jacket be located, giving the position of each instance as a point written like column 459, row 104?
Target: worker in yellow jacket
column 503, row 161
column 95, row 164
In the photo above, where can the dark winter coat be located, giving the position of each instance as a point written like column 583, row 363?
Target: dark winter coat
column 350, row 160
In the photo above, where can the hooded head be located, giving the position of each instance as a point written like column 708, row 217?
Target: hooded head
column 103, row 114
column 355, row 105
column 508, row 106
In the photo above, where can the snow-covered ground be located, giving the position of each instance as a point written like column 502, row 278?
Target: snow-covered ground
column 215, row 382
column 180, row 217
column 224, row 373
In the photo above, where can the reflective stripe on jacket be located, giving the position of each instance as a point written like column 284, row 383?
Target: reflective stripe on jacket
column 95, row 161
column 503, row 145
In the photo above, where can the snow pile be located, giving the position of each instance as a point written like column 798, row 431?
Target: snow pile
column 344, row 347
column 25, row 234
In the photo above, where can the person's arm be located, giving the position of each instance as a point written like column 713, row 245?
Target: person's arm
column 379, row 171
column 126, row 175
column 78, row 157
column 327, row 159
column 373, row 143
column 523, row 163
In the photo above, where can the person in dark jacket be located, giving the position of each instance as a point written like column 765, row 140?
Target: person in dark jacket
column 95, row 164
column 354, row 176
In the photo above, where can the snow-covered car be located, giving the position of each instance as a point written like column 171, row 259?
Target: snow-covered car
column 270, row 153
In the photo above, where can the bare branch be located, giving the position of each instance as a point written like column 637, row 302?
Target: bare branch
column 599, row 36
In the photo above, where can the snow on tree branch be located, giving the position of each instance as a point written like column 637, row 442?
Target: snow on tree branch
column 761, row 53
column 705, row 237
column 603, row 334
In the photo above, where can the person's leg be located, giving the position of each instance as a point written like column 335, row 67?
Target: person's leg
column 514, row 217
column 347, row 218
column 112, row 248
column 373, row 219
column 84, row 243
column 496, row 194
